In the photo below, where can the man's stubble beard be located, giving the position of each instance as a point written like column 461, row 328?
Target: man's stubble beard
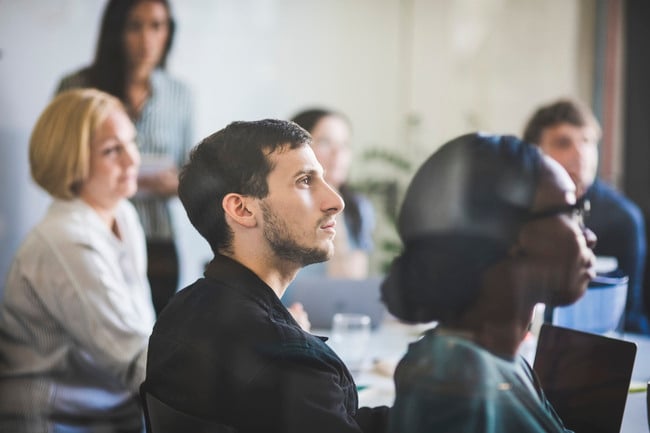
column 283, row 243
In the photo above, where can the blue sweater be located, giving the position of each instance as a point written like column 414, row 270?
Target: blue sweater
column 620, row 228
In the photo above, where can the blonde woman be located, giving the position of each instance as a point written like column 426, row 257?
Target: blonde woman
column 77, row 313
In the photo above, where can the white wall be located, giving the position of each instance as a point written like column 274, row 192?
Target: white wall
column 485, row 65
column 409, row 73
column 251, row 59
column 39, row 41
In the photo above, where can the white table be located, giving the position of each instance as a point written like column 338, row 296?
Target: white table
column 635, row 418
column 390, row 342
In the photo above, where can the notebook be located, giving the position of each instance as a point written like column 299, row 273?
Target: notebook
column 585, row 376
column 323, row 297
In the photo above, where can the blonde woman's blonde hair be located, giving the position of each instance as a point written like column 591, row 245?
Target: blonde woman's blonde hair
column 59, row 147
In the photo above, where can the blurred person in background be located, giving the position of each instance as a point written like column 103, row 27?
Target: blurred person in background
column 134, row 43
column 330, row 133
column 568, row 132
column 77, row 313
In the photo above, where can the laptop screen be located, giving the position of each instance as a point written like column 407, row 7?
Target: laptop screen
column 324, row 297
column 586, row 377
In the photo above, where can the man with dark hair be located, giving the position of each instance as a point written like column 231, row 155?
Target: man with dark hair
column 225, row 349
column 568, row 132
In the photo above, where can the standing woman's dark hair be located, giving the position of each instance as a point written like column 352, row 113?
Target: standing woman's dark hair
column 330, row 131
column 108, row 70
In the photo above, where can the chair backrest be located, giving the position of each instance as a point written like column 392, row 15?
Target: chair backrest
column 161, row 418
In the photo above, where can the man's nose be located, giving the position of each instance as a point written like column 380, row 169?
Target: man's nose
column 332, row 203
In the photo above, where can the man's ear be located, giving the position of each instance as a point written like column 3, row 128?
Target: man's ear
column 238, row 208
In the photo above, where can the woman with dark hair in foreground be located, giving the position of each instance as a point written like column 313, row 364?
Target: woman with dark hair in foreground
column 490, row 228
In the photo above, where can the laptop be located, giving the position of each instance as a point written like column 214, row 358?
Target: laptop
column 323, row 297
column 585, row 376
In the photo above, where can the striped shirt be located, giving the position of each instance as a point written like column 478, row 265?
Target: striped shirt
column 164, row 131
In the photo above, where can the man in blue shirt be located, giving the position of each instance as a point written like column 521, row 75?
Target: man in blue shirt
column 568, row 132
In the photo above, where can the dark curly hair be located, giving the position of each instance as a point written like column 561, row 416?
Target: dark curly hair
column 461, row 213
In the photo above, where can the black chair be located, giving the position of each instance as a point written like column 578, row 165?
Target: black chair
column 159, row 417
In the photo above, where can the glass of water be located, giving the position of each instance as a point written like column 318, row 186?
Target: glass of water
column 349, row 339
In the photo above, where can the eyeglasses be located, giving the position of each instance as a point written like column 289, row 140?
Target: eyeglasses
column 579, row 211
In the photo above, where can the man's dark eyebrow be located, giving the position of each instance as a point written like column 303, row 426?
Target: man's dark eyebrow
column 302, row 172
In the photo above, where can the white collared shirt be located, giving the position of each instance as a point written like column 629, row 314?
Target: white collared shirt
column 76, row 315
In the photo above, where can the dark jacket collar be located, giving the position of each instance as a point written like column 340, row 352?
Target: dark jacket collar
column 233, row 274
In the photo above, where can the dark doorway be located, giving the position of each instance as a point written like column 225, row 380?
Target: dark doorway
column 636, row 178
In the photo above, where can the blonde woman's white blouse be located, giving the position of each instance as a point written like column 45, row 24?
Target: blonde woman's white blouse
column 75, row 319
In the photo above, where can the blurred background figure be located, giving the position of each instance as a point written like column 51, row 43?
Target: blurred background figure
column 568, row 132
column 490, row 227
column 330, row 133
column 134, row 43
column 76, row 314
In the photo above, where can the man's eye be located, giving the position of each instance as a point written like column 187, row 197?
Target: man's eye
column 305, row 180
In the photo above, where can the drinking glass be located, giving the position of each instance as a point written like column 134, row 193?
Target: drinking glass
column 350, row 337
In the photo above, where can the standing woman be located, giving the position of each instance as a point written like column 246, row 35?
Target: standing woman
column 76, row 313
column 330, row 132
column 134, row 42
